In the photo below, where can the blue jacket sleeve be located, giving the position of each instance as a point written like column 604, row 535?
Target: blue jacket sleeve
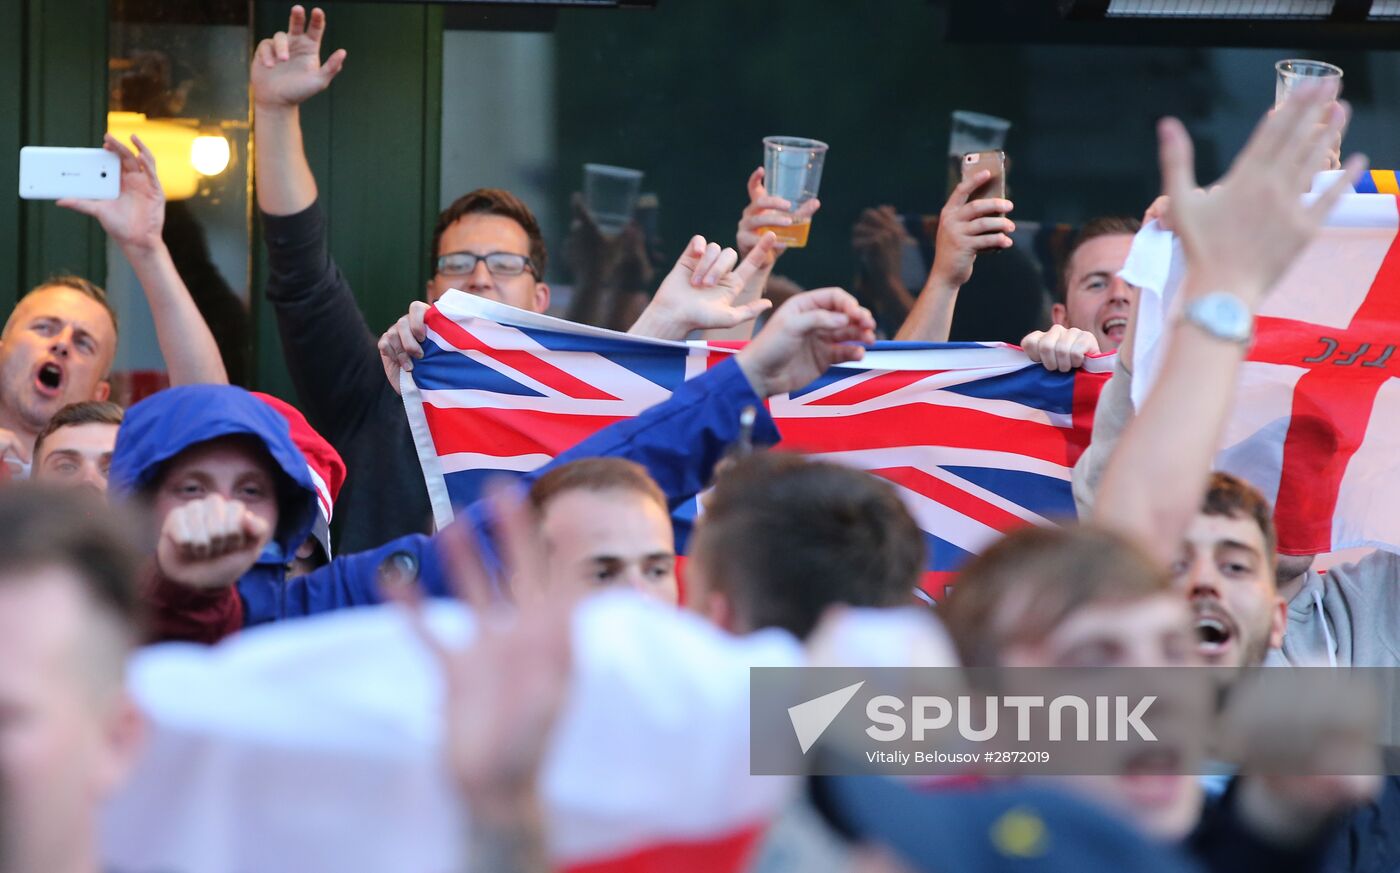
column 351, row 580
column 679, row 441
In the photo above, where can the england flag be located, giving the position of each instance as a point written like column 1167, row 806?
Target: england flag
column 1317, row 393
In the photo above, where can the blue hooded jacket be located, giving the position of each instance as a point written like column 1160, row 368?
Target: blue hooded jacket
column 678, row 441
column 171, row 421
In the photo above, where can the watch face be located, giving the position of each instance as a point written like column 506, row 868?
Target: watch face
column 1225, row 315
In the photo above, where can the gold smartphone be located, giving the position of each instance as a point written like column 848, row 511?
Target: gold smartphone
column 975, row 162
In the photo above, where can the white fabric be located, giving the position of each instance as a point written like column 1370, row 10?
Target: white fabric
column 314, row 745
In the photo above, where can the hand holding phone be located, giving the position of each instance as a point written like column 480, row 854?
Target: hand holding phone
column 972, row 221
column 50, row 173
column 976, row 162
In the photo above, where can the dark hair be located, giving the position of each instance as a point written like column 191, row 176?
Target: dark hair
column 84, row 412
column 596, row 474
column 1233, row 497
column 493, row 201
column 1108, row 225
column 1033, row 579
column 82, row 286
column 784, row 537
column 43, row 526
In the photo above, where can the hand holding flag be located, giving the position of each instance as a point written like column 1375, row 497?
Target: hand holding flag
column 812, row 332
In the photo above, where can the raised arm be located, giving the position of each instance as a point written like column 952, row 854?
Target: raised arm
column 134, row 222
column 328, row 346
column 1238, row 239
column 964, row 229
column 287, row 71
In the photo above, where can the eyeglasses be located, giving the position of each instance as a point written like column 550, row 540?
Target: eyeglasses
column 499, row 263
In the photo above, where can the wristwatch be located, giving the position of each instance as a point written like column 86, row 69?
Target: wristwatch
column 1223, row 316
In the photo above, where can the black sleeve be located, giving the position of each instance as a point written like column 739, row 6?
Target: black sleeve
column 330, row 351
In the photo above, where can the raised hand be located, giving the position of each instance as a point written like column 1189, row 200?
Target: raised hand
column 967, row 228
column 210, row 542
column 700, row 291
column 287, row 68
column 612, row 272
column 1242, row 234
column 766, row 210
column 878, row 239
column 1306, row 754
column 504, row 691
column 1060, row 348
column 401, row 343
column 810, row 333
column 134, row 220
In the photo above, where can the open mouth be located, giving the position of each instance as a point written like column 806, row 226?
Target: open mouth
column 1213, row 635
column 1115, row 328
column 49, row 379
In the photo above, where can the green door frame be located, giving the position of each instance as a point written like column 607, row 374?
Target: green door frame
column 53, row 91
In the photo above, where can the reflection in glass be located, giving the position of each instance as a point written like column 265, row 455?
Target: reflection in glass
column 178, row 79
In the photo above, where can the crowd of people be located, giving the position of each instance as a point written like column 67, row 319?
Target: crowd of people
column 206, row 509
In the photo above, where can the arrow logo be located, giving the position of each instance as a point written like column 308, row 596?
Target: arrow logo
column 811, row 719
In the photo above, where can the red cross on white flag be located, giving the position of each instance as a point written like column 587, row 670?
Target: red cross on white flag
column 1314, row 424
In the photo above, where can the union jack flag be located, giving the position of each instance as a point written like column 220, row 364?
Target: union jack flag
column 977, row 439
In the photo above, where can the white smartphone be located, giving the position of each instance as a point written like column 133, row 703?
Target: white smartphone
column 50, row 173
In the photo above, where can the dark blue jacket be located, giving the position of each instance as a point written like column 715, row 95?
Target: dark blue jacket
column 679, row 442
column 171, row 421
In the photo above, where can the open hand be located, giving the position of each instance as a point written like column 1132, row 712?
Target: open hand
column 1241, row 235
column 287, row 68
column 878, row 239
column 700, row 290
column 506, row 689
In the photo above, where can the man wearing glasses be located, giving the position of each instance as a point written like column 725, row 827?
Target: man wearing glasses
column 486, row 243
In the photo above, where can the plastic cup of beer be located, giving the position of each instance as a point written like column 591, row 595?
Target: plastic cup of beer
column 972, row 132
column 1295, row 71
column 792, row 170
column 610, row 195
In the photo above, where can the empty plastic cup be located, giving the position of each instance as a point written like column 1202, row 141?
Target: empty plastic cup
column 610, row 195
column 972, row 132
column 1296, row 71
